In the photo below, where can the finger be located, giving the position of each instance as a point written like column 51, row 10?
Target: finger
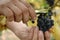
column 24, row 10
column 8, row 13
column 3, row 2
column 47, row 36
column 31, row 10
column 17, row 12
column 31, row 32
column 25, row 3
column 41, row 36
column 35, row 35
column 32, row 13
column 25, row 17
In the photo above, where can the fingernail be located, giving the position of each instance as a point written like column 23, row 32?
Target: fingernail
column 36, row 28
column 41, row 31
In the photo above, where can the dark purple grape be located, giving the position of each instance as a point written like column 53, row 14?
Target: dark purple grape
column 44, row 22
column 50, row 2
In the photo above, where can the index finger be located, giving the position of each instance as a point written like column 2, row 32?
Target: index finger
column 32, row 13
column 30, row 8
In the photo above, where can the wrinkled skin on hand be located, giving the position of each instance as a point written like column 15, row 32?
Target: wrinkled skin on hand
column 27, row 33
column 17, row 10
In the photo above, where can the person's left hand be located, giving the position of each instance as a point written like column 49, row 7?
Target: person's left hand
column 25, row 33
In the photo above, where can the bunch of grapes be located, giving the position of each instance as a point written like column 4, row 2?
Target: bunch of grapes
column 50, row 2
column 44, row 21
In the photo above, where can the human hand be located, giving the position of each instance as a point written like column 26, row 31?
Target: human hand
column 25, row 33
column 16, row 10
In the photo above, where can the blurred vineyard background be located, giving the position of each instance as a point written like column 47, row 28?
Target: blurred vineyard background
column 39, row 6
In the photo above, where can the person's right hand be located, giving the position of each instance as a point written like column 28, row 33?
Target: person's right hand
column 16, row 10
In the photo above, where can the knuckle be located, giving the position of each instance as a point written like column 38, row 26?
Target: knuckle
column 10, row 18
column 10, row 14
column 19, row 13
column 25, row 9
